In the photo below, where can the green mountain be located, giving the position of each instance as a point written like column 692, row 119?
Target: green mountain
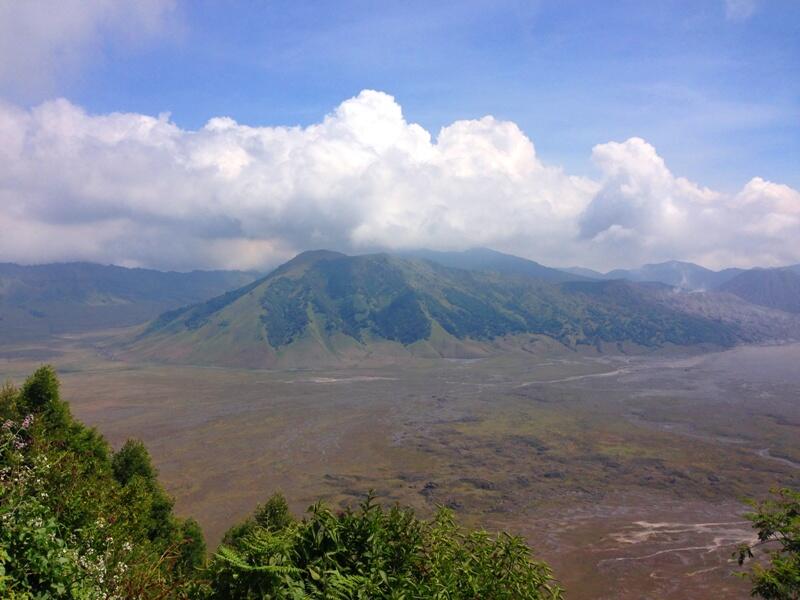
column 484, row 259
column 324, row 308
column 774, row 288
column 38, row 301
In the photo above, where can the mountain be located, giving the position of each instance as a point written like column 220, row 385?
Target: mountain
column 37, row 301
column 484, row 259
column 328, row 308
column 774, row 288
column 684, row 275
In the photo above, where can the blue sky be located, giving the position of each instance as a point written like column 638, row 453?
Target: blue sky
column 718, row 94
column 621, row 100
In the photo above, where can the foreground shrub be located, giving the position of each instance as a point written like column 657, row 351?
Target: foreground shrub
column 69, row 528
column 777, row 521
column 375, row 553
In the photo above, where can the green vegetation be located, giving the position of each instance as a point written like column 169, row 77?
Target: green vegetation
column 372, row 553
column 80, row 521
column 285, row 316
column 77, row 520
column 777, row 521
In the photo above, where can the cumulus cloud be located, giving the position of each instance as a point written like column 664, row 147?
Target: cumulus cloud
column 41, row 39
column 642, row 207
column 138, row 190
column 642, row 210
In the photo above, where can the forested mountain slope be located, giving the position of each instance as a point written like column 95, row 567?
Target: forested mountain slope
column 774, row 288
column 485, row 259
column 322, row 307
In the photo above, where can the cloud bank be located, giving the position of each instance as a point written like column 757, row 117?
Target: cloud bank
column 138, row 190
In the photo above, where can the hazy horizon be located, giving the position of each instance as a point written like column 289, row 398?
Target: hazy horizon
column 269, row 267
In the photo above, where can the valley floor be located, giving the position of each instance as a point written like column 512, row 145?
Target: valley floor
column 625, row 472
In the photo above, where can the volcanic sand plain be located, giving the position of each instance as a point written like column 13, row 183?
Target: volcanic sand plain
column 626, row 472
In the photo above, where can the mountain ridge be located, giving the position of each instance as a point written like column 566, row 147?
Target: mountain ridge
column 774, row 288
column 681, row 274
column 486, row 259
column 324, row 307
column 41, row 300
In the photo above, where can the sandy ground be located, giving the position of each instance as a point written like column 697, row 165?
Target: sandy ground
column 626, row 473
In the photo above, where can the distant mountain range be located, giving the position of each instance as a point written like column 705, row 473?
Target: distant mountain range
column 684, row 275
column 774, row 288
column 325, row 308
column 37, row 301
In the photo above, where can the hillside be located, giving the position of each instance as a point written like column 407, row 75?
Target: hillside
column 324, row 308
column 37, row 301
column 484, row 259
column 773, row 288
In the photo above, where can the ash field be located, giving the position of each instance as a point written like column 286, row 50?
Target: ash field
column 627, row 472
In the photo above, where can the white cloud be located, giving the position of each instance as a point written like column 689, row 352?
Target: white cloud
column 135, row 189
column 643, row 200
column 643, row 213
column 41, row 40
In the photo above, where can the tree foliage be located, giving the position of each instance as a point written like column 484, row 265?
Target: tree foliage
column 77, row 521
column 372, row 552
column 777, row 521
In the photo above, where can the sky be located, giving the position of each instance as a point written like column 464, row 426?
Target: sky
column 179, row 135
